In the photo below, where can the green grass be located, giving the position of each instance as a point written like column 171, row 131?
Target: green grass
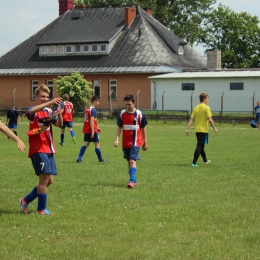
column 175, row 211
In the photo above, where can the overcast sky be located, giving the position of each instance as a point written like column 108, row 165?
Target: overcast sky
column 21, row 19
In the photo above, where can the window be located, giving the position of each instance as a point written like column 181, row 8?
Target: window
column 237, row 86
column 77, row 48
column 113, row 88
column 60, row 49
column 52, row 49
column 94, row 48
column 180, row 50
column 34, row 86
column 44, row 49
column 103, row 48
column 49, row 84
column 68, row 49
column 187, row 86
column 97, row 87
column 85, row 48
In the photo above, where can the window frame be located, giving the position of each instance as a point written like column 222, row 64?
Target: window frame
column 34, row 86
column 97, row 84
column 113, row 85
column 94, row 45
column 234, row 85
column 66, row 46
column 191, row 86
column 50, row 85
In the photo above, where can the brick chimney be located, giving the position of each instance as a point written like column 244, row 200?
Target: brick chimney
column 149, row 11
column 214, row 60
column 130, row 13
column 65, row 5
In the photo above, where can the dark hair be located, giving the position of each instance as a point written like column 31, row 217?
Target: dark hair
column 203, row 96
column 95, row 98
column 129, row 97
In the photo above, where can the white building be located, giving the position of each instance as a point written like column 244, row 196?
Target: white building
column 229, row 91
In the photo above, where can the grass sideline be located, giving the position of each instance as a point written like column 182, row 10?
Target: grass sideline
column 175, row 211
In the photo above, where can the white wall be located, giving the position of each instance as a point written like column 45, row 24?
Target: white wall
column 177, row 99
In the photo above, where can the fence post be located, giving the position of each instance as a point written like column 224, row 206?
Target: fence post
column 222, row 105
column 13, row 97
column 163, row 106
column 137, row 99
column 253, row 104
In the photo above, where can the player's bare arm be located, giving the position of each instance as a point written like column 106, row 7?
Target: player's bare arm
column 188, row 126
column 118, row 133
column 213, row 124
column 145, row 143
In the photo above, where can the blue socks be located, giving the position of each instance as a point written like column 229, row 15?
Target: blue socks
column 42, row 199
column 81, row 152
column 62, row 138
column 31, row 196
column 72, row 133
column 99, row 155
column 132, row 173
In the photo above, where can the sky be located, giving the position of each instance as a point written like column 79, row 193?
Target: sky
column 21, row 19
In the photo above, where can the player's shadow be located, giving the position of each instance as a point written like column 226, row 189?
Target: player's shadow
column 4, row 211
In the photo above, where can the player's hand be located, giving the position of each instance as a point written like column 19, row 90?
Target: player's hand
column 116, row 143
column 145, row 146
column 186, row 132
column 20, row 145
column 99, row 130
column 92, row 135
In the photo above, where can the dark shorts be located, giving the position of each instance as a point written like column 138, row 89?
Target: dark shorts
column 12, row 126
column 95, row 139
column 257, row 119
column 68, row 124
column 44, row 163
column 202, row 138
column 131, row 153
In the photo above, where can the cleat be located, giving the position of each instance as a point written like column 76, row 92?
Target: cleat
column 131, row 185
column 44, row 212
column 24, row 205
column 61, row 144
column 194, row 165
column 207, row 162
column 74, row 140
column 105, row 161
column 79, row 161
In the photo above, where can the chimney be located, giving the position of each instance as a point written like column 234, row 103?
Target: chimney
column 130, row 14
column 214, row 60
column 65, row 5
column 149, row 11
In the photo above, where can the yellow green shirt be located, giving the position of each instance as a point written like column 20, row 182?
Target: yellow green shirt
column 201, row 113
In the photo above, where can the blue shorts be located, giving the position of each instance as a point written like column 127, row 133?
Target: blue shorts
column 257, row 119
column 95, row 139
column 68, row 124
column 131, row 153
column 44, row 163
column 12, row 126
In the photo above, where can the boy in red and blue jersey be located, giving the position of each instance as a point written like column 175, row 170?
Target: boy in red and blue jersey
column 41, row 147
column 91, row 130
column 133, row 123
column 67, row 111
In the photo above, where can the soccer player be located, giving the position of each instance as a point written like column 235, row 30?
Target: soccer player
column 6, row 131
column 257, row 114
column 67, row 111
column 201, row 115
column 91, row 130
column 133, row 123
column 12, row 119
column 42, row 149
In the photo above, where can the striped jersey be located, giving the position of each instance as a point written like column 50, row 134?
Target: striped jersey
column 43, row 142
column 131, row 123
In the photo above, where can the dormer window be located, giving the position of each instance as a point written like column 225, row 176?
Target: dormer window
column 68, row 49
column 94, row 48
column 77, row 48
column 52, row 49
column 86, row 48
column 181, row 50
column 103, row 48
column 44, row 50
column 60, row 49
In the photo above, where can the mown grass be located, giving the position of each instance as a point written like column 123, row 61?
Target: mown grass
column 175, row 211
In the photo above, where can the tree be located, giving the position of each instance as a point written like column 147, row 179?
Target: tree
column 236, row 35
column 76, row 87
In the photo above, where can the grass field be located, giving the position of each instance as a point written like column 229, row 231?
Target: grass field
column 175, row 211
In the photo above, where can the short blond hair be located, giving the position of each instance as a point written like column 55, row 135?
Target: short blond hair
column 42, row 88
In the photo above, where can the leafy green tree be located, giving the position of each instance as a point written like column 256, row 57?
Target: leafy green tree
column 76, row 87
column 236, row 35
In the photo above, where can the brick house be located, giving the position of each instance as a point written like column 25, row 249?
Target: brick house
column 115, row 48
